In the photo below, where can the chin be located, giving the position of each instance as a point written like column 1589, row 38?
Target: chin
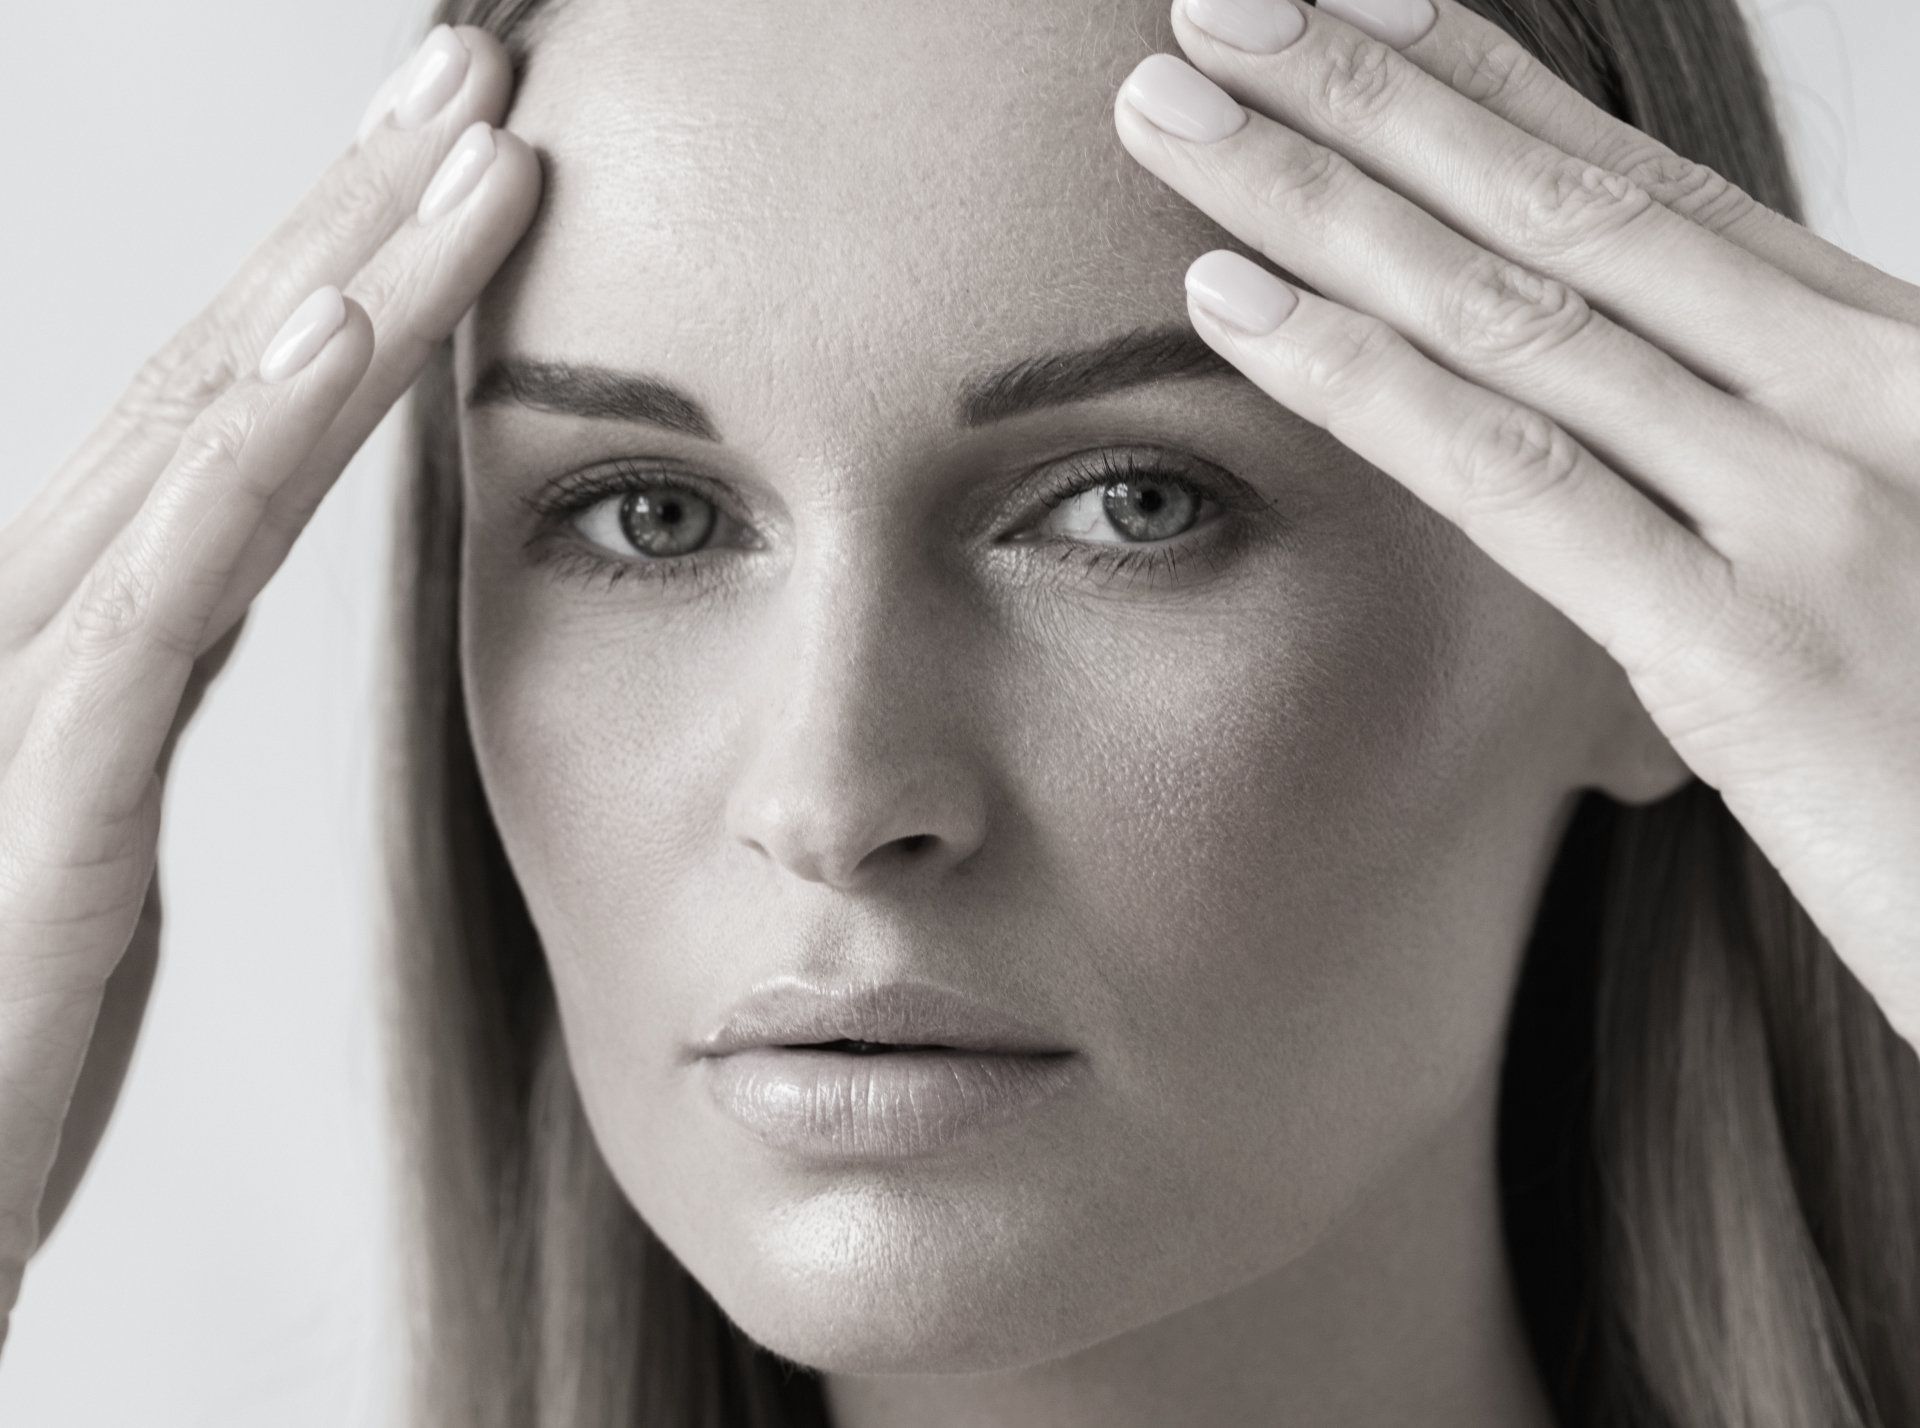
column 905, row 1287
column 906, row 1334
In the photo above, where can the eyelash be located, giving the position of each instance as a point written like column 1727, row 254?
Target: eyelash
column 1145, row 560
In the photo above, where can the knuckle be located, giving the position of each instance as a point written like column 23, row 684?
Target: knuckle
column 1353, row 359
column 182, row 379
column 1497, row 311
column 1852, row 519
column 1501, row 71
column 114, row 604
column 1356, row 84
column 1774, row 640
column 361, row 200
column 1567, row 204
column 213, row 448
column 1307, row 178
column 382, row 287
column 1509, row 457
column 1691, row 190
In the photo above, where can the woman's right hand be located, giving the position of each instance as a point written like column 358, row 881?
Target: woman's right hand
column 124, row 581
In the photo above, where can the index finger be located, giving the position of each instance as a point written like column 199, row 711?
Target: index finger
column 1482, row 61
column 343, row 220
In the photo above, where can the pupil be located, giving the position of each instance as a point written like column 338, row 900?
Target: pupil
column 1149, row 511
column 667, row 523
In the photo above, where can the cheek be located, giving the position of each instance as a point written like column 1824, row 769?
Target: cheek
column 1274, row 858
column 1297, row 848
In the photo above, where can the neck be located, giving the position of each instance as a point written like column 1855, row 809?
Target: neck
column 1402, row 1313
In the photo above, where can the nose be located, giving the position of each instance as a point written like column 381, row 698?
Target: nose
column 860, row 767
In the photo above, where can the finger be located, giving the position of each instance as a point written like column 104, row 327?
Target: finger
column 1487, row 65
column 103, row 1073
column 140, row 618
column 1517, row 484
column 415, row 292
column 206, row 670
column 1729, row 315
column 368, row 194
column 1489, row 319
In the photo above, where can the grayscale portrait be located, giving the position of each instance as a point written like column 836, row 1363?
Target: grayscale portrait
column 1074, row 715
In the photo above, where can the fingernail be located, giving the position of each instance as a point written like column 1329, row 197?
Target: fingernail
column 437, row 71
column 1239, row 292
column 1178, row 98
column 302, row 335
column 1260, row 27
column 1397, row 22
column 420, row 86
column 459, row 171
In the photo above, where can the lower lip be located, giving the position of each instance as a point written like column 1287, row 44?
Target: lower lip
column 833, row 1104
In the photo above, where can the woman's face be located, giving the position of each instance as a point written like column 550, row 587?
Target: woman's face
column 1256, row 828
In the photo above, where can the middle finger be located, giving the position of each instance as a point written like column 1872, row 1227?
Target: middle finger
column 1488, row 318
column 352, row 213
column 1727, row 313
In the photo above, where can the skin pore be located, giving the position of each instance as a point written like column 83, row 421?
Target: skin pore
column 1259, row 835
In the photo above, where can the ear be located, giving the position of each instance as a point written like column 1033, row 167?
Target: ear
column 1631, row 761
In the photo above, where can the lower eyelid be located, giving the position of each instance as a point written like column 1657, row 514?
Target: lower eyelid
column 590, row 557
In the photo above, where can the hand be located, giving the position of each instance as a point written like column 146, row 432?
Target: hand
column 124, row 581
column 1682, row 419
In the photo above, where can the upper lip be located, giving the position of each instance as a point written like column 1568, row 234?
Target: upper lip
column 904, row 1013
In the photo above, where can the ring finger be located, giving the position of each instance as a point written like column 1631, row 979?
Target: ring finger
column 1730, row 315
column 1514, row 481
column 368, row 193
column 1312, row 211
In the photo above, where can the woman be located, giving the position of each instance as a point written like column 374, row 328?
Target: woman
column 1403, row 771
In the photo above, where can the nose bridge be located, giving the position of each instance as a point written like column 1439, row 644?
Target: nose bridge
column 856, row 763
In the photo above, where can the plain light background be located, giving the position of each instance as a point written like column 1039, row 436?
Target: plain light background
column 223, row 1264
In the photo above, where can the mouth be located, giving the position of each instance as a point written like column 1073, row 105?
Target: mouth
column 849, row 1047
column 850, row 1101
column 900, row 1018
column 896, row 1070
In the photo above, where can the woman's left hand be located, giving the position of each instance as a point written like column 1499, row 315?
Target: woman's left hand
column 1684, row 420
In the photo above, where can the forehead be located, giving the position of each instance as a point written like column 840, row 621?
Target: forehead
column 866, row 197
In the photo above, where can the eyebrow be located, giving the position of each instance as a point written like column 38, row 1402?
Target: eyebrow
column 1132, row 359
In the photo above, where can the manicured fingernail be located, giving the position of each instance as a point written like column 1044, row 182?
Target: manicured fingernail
column 1397, row 22
column 1178, row 98
column 437, row 71
column 459, row 171
column 1261, row 27
column 302, row 335
column 416, row 91
column 1239, row 291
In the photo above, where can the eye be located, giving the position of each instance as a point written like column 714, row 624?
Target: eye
column 1168, row 509
column 659, row 521
column 1119, row 491
column 632, row 519
column 1143, row 507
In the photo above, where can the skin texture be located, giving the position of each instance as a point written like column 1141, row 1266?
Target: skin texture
column 1261, row 839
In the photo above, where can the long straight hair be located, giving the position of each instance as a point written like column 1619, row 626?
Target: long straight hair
column 1709, row 1136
